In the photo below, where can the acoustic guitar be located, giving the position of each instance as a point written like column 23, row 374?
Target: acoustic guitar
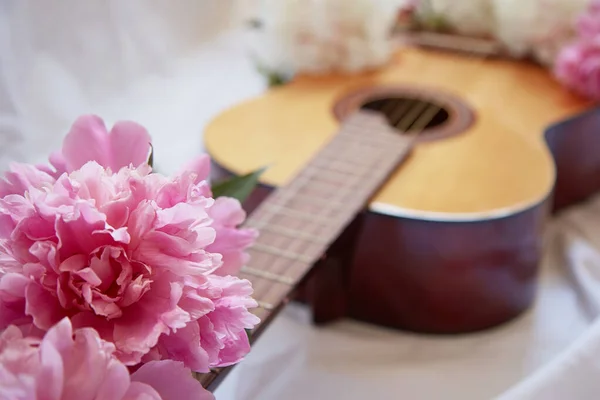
column 420, row 189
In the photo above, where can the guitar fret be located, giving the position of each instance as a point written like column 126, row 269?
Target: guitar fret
column 323, row 185
column 282, row 253
column 341, row 166
column 267, row 275
column 357, row 136
column 266, row 306
column 356, row 162
column 289, row 212
column 319, row 201
column 266, row 290
column 326, row 169
column 294, row 234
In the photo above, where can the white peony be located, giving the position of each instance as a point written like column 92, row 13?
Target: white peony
column 318, row 36
column 536, row 27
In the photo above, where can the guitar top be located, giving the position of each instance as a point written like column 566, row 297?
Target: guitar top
column 480, row 150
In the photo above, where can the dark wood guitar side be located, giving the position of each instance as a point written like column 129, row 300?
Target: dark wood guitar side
column 448, row 277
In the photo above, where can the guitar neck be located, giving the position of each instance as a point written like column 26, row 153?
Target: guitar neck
column 299, row 221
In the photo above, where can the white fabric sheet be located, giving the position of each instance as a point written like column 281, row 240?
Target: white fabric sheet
column 172, row 66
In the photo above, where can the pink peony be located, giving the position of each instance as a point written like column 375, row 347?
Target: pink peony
column 129, row 144
column 578, row 67
column 125, row 253
column 80, row 365
column 588, row 23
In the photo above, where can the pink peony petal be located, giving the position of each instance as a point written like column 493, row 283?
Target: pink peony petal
column 76, row 232
column 51, row 373
column 136, row 333
column 13, row 312
column 87, row 355
column 116, row 383
column 200, row 166
column 120, row 235
column 231, row 242
column 86, row 141
column 184, row 345
column 196, row 304
column 13, row 286
column 88, row 275
column 224, row 328
column 129, row 144
column 73, row 263
column 135, row 290
column 141, row 391
column 143, row 323
column 227, row 211
column 22, row 177
column 172, row 254
column 141, row 222
column 59, row 163
column 105, row 308
column 171, row 380
column 42, row 306
column 183, row 215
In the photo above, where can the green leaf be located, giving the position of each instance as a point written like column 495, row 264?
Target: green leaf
column 273, row 78
column 151, row 157
column 239, row 187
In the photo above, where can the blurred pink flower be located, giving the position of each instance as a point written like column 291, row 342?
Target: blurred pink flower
column 79, row 365
column 588, row 23
column 124, row 253
column 578, row 67
column 129, row 144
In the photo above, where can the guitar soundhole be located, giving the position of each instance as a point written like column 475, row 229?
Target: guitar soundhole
column 432, row 113
column 409, row 114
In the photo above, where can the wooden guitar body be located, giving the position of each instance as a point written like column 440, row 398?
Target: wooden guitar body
column 452, row 241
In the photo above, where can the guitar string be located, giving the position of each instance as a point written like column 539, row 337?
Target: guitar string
column 351, row 188
column 275, row 211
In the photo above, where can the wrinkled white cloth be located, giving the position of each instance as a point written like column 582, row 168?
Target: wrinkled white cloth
column 573, row 373
column 172, row 66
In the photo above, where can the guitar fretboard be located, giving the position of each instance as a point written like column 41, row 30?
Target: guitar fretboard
column 299, row 221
